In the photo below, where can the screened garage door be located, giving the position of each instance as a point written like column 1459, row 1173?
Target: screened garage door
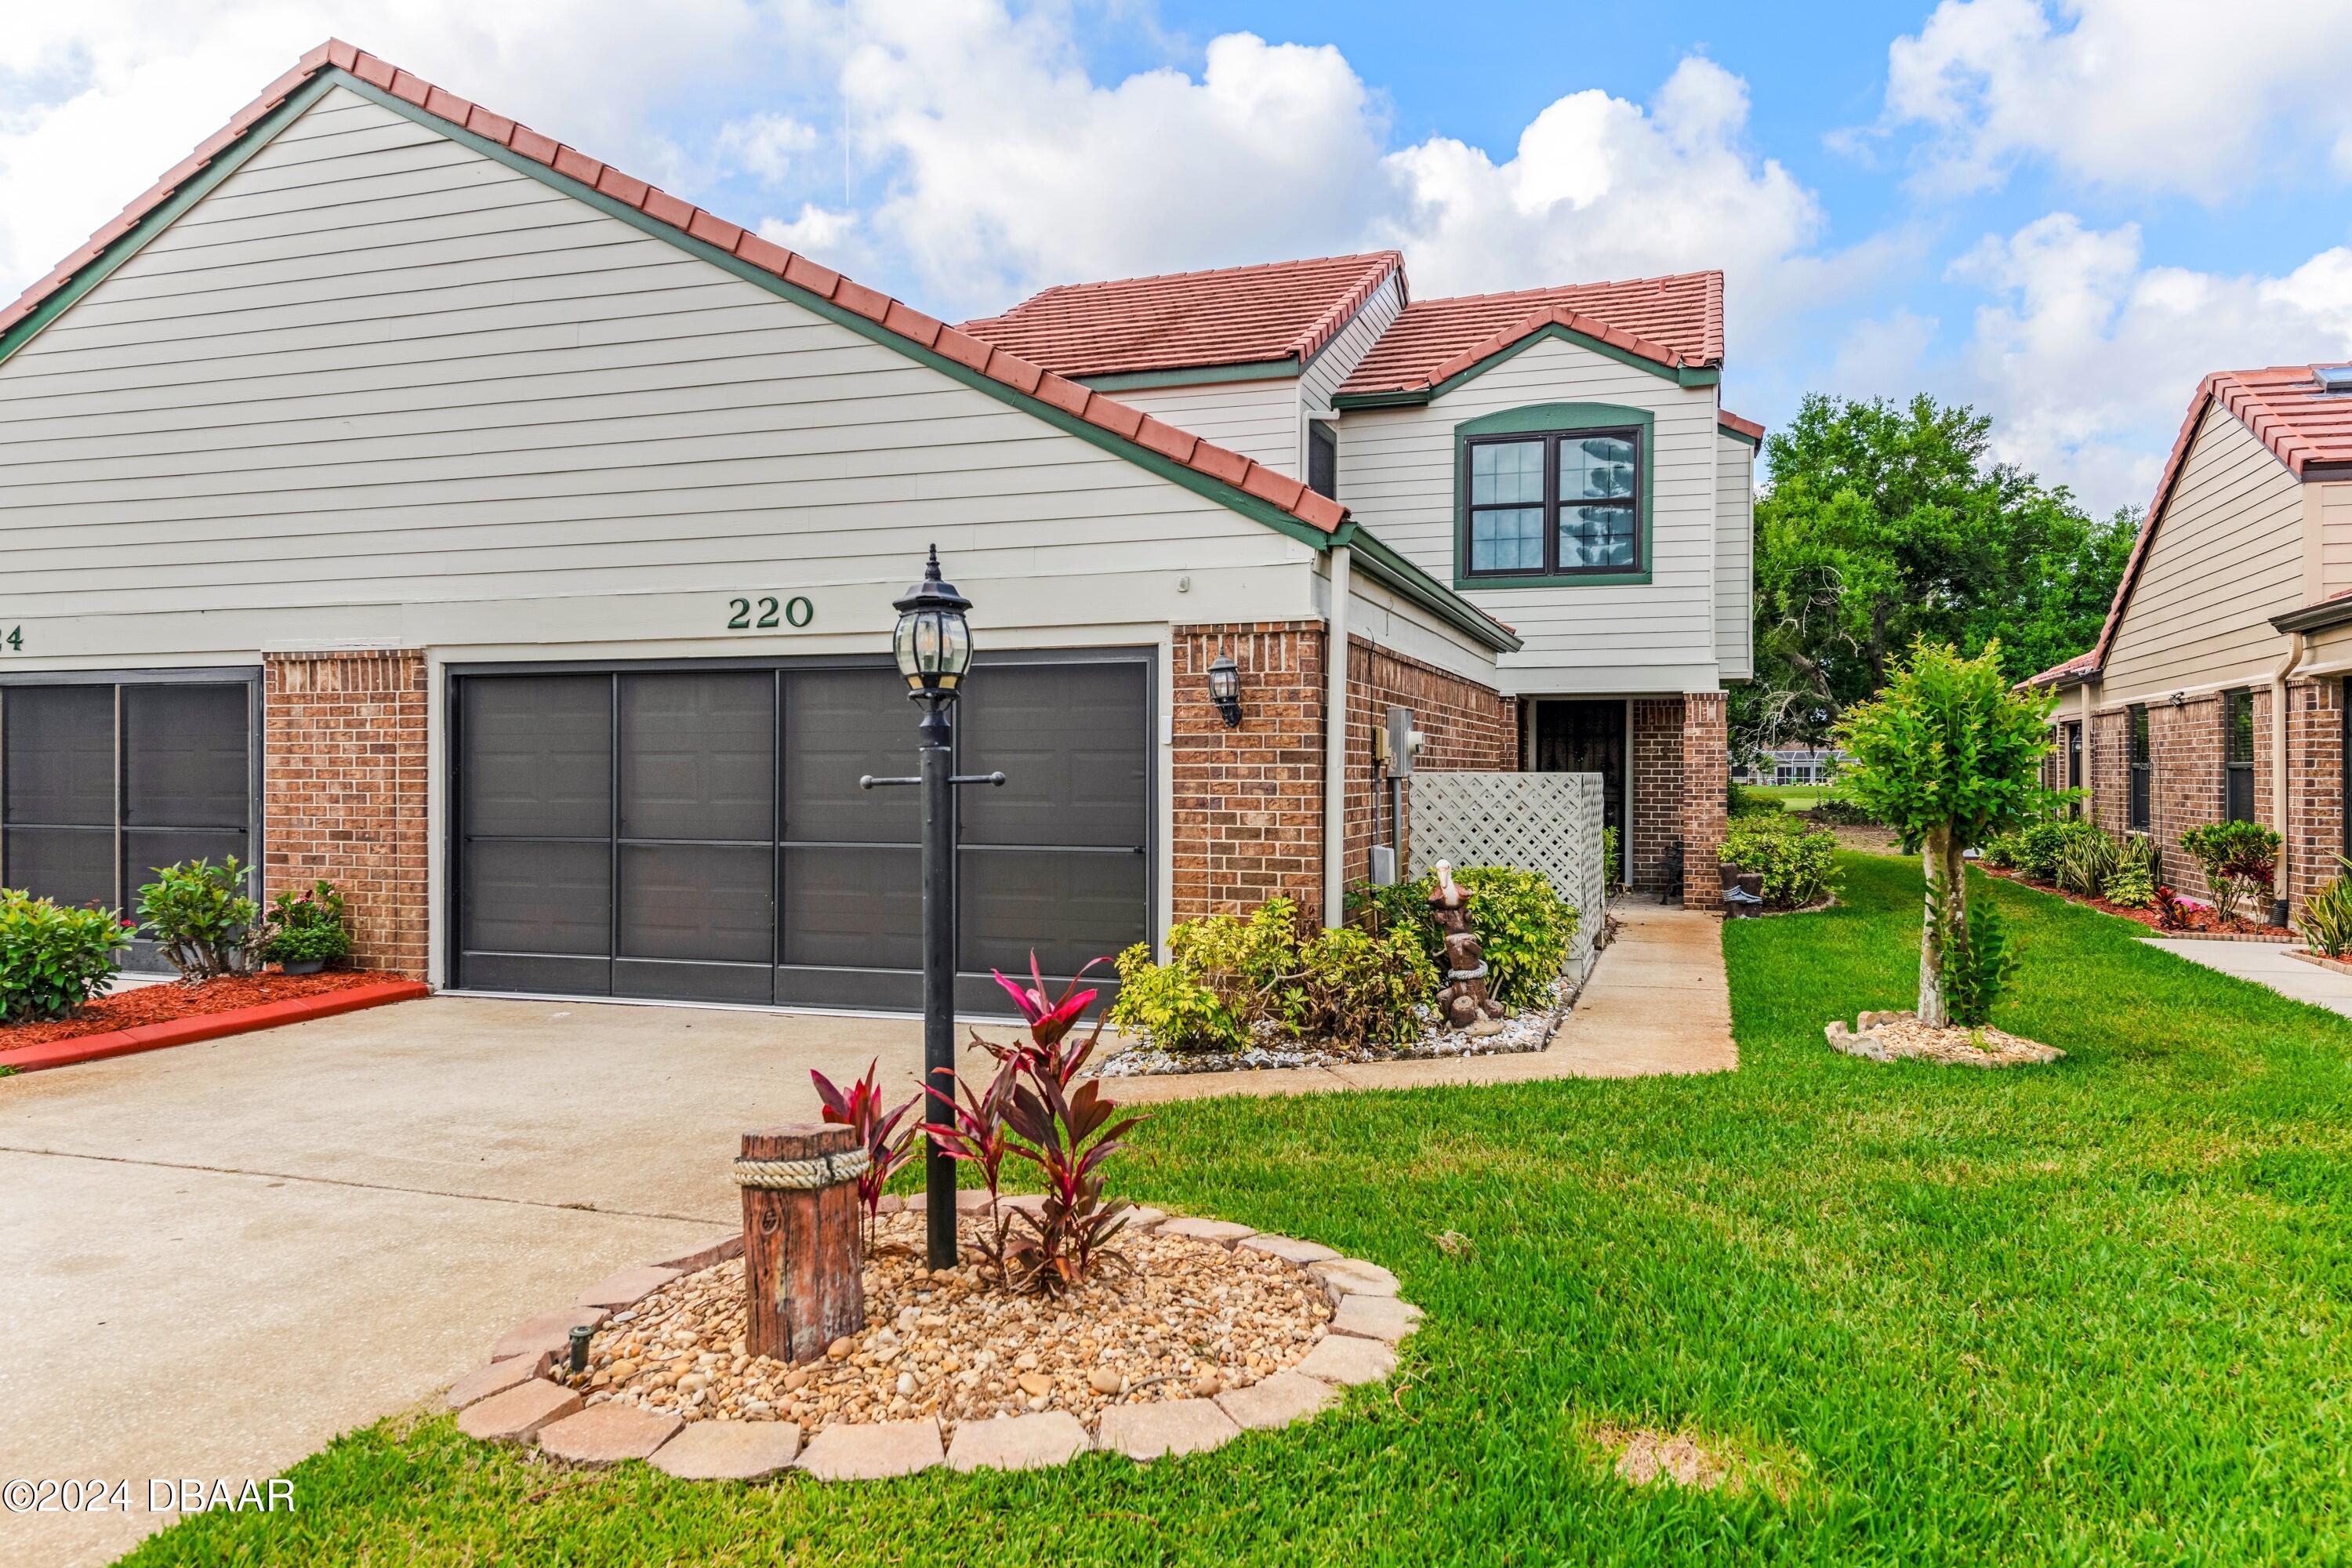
column 102, row 781
column 697, row 833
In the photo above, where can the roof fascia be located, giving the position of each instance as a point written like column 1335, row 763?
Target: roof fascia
column 1681, row 376
column 1394, row 572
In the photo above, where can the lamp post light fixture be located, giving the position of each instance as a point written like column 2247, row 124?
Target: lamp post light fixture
column 1225, row 689
column 932, row 645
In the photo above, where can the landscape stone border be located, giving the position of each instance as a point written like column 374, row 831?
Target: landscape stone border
column 513, row 1399
column 2305, row 955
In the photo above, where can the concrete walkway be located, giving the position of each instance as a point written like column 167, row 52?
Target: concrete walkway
column 1658, row 1003
column 2267, row 963
column 220, row 1256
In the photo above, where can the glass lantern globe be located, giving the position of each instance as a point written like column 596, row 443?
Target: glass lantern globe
column 933, row 641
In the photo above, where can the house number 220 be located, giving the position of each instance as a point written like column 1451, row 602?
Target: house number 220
column 766, row 612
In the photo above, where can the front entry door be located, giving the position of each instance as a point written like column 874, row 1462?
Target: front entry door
column 1586, row 737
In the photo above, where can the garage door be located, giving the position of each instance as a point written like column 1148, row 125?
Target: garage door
column 697, row 833
column 104, row 780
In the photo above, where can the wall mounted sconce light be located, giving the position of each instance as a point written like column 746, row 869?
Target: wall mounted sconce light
column 1225, row 689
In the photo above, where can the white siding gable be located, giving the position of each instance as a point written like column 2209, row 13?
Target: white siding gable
column 1734, row 557
column 1397, row 478
column 1258, row 419
column 378, row 388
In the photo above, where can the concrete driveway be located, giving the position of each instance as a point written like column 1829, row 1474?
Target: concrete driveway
column 219, row 1256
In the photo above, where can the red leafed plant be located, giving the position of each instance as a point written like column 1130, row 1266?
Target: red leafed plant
column 887, row 1149
column 1029, row 1111
column 2171, row 912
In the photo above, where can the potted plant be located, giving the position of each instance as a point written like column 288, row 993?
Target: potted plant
column 306, row 931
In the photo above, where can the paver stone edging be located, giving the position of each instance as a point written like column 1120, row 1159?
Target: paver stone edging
column 210, row 1026
column 512, row 1400
column 2320, row 959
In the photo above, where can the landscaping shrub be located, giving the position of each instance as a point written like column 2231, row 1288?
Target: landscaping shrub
column 2142, row 850
column 1798, row 864
column 1977, row 965
column 1999, row 851
column 1524, row 929
column 307, row 926
column 2086, row 858
column 200, row 918
column 53, row 960
column 2171, row 909
column 2130, row 886
column 1225, row 977
column 1742, row 803
column 1613, row 863
column 2237, row 859
column 2326, row 918
column 1842, row 811
column 1168, row 1008
column 1361, row 989
column 888, row 1146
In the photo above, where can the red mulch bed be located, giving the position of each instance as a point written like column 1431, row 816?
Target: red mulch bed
column 160, row 1004
column 2199, row 918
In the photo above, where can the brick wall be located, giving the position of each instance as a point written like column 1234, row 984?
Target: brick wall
column 2314, row 739
column 1248, row 800
column 1464, row 727
column 1656, row 786
column 343, row 792
column 1706, row 775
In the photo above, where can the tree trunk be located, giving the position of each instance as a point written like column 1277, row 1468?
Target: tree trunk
column 1940, row 867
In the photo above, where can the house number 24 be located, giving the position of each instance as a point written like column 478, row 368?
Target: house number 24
column 766, row 612
column 12, row 640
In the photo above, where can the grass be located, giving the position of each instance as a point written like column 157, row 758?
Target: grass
column 2093, row 1313
column 1792, row 797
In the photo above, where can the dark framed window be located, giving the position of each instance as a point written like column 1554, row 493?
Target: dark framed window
column 1555, row 503
column 1323, row 461
column 2141, row 763
column 2074, row 762
column 2238, row 755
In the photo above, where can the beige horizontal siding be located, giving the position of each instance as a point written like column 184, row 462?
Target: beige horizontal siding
column 1735, row 558
column 1396, row 474
column 1259, row 419
column 375, row 368
column 2227, row 554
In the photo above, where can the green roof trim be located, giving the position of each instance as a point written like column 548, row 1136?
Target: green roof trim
column 1755, row 441
column 1197, row 375
column 1384, row 565
column 166, row 212
column 1685, row 376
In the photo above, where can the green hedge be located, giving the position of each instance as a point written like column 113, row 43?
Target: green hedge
column 1797, row 863
column 53, row 960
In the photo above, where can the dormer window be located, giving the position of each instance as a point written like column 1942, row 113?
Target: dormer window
column 2334, row 378
column 1556, row 504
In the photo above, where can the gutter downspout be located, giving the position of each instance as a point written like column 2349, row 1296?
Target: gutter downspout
column 2297, row 643
column 1335, row 740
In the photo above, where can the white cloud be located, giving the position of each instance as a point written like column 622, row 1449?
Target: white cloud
column 767, row 146
column 2089, row 356
column 2174, row 95
column 100, row 97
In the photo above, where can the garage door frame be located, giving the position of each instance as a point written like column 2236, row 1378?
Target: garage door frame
column 141, row 958
column 977, row 996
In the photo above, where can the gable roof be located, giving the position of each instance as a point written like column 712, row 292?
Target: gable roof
column 1182, row 320
column 1674, row 323
column 1138, row 434
column 2284, row 407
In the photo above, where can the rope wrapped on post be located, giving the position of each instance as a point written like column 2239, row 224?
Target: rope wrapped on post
column 801, row 1175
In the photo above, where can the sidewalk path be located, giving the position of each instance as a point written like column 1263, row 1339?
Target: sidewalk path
column 2266, row 964
column 1657, row 1003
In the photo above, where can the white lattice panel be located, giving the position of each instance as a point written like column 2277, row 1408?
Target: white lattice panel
column 1538, row 822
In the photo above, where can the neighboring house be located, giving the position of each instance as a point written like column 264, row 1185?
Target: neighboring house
column 1793, row 765
column 398, row 496
column 2216, row 689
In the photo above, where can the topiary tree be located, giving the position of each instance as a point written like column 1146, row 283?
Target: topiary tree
column 1949, row 755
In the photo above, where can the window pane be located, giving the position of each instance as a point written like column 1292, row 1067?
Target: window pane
column 2241, row 722
column 1596, row 467
column 1506, row 472
column 1596, row 536
column 1508, row 540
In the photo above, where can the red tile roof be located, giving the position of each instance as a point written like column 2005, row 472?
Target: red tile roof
column 1726, row 419
column 2057, row 674
column 1183, row 321
column 1676, row 321
column 1270, row 485
column 2284, row 406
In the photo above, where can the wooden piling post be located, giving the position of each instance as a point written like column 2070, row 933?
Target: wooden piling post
column 803, row 1262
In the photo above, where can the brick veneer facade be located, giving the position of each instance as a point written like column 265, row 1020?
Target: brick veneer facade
column 1706, row 788
column 1655, row 787
column 1464, row 727
column 343, row 772
column 2187, row 784
column 1249, row 800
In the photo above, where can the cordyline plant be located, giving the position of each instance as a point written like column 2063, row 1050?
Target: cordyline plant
column 887, row 1148
column 1949, row 755
column 1029, row 1111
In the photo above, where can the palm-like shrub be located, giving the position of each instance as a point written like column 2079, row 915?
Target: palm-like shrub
column 2326, row 918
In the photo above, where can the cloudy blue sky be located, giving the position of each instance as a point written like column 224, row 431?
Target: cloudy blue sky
column 2063, row 211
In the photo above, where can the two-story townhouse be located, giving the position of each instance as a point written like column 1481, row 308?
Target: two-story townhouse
column 2215, row 691
column 397, row 495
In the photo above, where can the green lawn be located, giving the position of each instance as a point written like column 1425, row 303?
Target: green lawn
column 1792, row 797
column 2097, row 1312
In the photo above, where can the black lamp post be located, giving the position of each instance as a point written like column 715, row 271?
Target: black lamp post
column 933, row 648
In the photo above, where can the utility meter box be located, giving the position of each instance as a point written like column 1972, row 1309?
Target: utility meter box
column 1400, row 741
